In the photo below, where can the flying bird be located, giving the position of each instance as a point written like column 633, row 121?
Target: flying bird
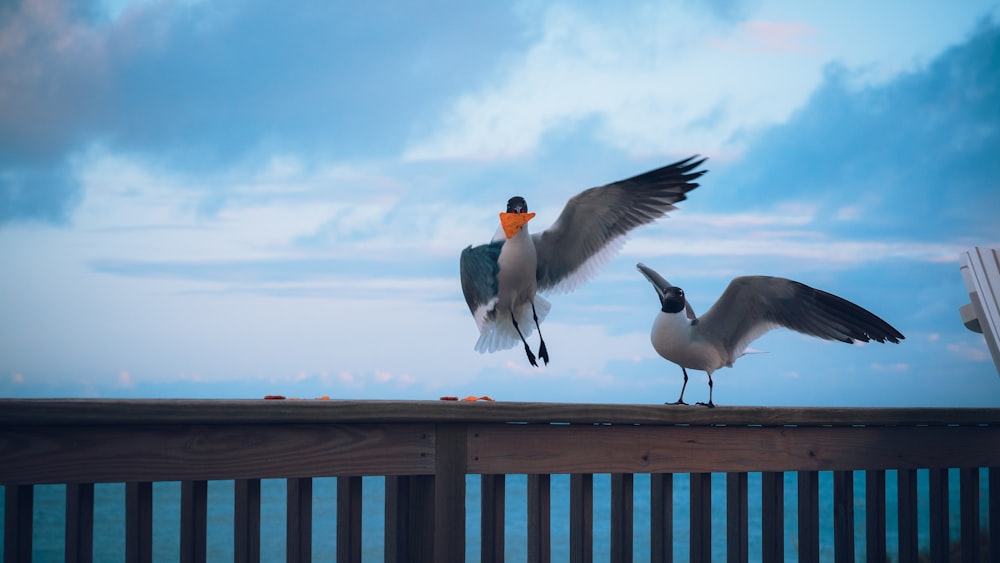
column 750, row 307
column 501, row 279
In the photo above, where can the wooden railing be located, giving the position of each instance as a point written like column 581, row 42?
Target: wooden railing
column 425, row 450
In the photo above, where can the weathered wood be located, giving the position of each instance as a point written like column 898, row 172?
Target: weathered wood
column 449, row 493
column 581, row 518
column 875, row 516
column 906, row 500
column 843, row 516
column 772, row 516
column 194, row 521
column 58, row 454
column 79, row 522
column 298, row 520
column 20, row 412
column 622, row 501
column 539, row 515
column 349, row 490
column 668, row 449
column 737, row 522
column 409, row 518
column 701, row 516
column 246, row 521
column 17, row 526
column 969, row 513
column 138, row 522
column 492, row 519
column 661, row 518
column 940, row 540
column 808, row 505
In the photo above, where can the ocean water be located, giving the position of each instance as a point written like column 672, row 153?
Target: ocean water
column 109, row 518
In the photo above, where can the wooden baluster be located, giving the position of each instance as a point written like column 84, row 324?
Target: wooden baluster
column 940, row 542
column 906, row 500
column 701, row 516
column 875, row 516
column 492, row 505
column 581, row 517
column 969, row 513
column 138, row 522
column 298, row 520
column 194, row 521
column 622, row 500
column 994, row 508
column 450, row 455
column 843, row 516
column 772, row 516
column 808, row 516
column 79, row 522
column 539, row 513
column 737, row 524
column 349, row 519
column 661, row 518
column 246, row 521
column 19, row 504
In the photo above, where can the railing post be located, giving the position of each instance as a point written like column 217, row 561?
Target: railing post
column 938, row 485
column 906, row 501
column 451, row 446
column 969, row 509
column 409, row 518
column 875, row 516
column 349, row 519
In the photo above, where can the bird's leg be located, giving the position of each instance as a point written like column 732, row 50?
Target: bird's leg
column 680, row 400
column 527, row 350
column 543, row 353
column 711, row 385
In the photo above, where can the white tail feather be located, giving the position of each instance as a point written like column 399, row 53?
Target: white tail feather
column 498, row 333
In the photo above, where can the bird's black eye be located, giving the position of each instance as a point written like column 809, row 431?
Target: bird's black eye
column 517, row 204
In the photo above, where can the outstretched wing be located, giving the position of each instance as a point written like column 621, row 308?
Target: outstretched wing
column 593, row 225
column 753, row 305
column 478, row 270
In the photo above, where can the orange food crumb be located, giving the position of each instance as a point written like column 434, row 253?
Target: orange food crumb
column 273, row 397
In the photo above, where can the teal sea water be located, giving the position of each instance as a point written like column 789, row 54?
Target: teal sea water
column 109, row 518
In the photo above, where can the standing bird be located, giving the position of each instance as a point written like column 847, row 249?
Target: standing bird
column 750, row 307
column 501, row 279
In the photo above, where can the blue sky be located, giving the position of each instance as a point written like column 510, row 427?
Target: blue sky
column 233, row 199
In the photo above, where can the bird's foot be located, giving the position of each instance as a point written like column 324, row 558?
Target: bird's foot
column 531, row 357
column 709, row 404
column 677, row 402
column 543, row 353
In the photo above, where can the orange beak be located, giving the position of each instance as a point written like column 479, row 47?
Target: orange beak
column 512, row 222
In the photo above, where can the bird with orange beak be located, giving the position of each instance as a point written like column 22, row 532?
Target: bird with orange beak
column 501, row 279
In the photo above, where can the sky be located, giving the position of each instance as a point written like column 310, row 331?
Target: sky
column 232, row 199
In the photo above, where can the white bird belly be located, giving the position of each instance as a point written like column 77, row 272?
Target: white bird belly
column 674, row 339
column 516, row 278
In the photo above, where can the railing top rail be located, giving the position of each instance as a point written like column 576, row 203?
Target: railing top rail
column 19, row 412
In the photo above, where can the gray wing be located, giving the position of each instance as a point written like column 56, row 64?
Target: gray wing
column 478, row 269
column 593, row 225
column 661, row 285
column 753, row 305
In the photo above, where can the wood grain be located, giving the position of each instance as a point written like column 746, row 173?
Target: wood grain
column 650, row 449
column 97, row 454
column 17, row 412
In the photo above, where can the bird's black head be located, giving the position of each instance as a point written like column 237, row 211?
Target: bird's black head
column 517, row 204
column 672, row 300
